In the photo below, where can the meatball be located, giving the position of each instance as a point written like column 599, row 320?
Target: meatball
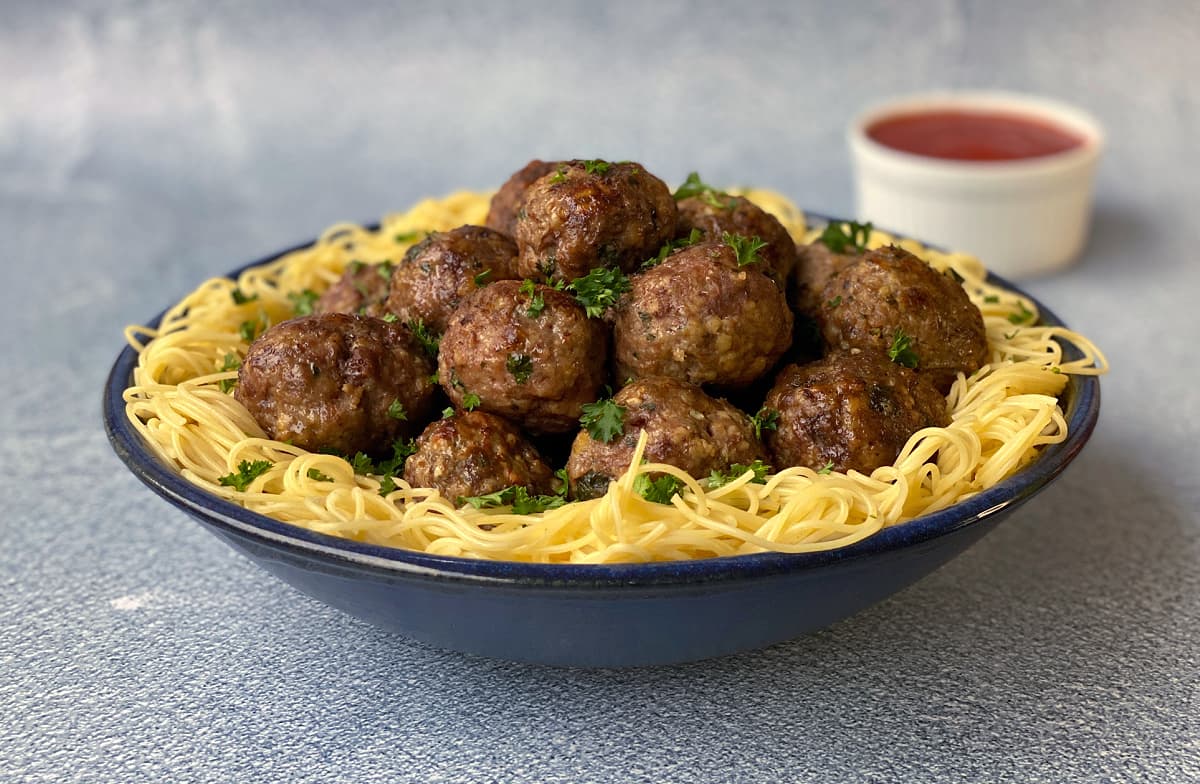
column 850, row 410
column 338, row 382
column 524, row 351
column 714, row 214
column 816, row 265
column 701, row 318
column 892, row 300
column 506, row 203
column 476, row 453
column 436, row 273
column 362, row 290
column 684, row 427
column 589, row 214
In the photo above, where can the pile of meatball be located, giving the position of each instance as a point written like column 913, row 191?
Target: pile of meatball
column 787, row 354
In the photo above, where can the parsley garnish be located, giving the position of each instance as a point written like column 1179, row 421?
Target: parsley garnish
column 658, row 491
column 317, row 476
column 1025, row 316
column 396, row 410
column 560, row 174
column 363, row 464
column 387, row 485
column 596, row 166
column 901, row 351
column 991, row 299
column 428, row 339
column 516, row 496
column 247, row 472
column 407, row 236
column 447, row 412
column 736, row 471
column 482, row 278
column 603, row 419
column 302, row 303
column 670, row 246
column 838, row 237
column 250, row 329
column 470, row 401
column 240, row 298
column 537, row 303
column 385, row 269
column 745, row 248
column 693, row 186
column 826, row 469
column 833, row 303
column 231, row 363
column 765, row 419
column 600, row 289
column 520, row 366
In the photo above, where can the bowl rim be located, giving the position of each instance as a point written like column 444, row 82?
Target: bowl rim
column 1005, row 171
column 1082, row 413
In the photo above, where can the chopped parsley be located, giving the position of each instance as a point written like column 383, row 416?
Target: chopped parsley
column 737, row 471
column 604, row 420
column 401, row 449
column 482, row 278
column 240, row 298
column 600, row 289
column 596, row 166
column 670, row 246
column 658, row 491
column 470, row 401
column 840, row 237
column 248, row 330
column 317, row 476
column 519, row 366
column 385, row 269
column 407, row 236
column 1025, row 316
column 447, row 412
column 516, row 496
column 390, row 318
column 560, row 175
column 247, row 472
column 991, row 299
column 745, row 248
column 231, row 362
column 901, row 351
column 537, row 303
column 429, row 340
column 765, row 419
column 693, row 186
column 303, row 302
column 396, row 410
column 834, row 303
column 826, row 469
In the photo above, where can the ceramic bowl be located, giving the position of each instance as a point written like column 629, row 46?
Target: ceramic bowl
column 603, row 615
column 1023, row 218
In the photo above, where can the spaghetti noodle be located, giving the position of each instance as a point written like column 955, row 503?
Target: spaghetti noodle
column 179, row 402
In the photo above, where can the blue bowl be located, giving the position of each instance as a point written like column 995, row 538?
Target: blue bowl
column 603, row 615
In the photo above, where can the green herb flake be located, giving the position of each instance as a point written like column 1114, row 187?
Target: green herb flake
column 658, row 491
column 396, row 410
column 596, row 166
column 560, row 175
column 604, row 420
column 519, row 366
column 317, row 476
column 240, row 298
column 537, row 303
column 745, row 248
column 303, row 302
column 599, row 289
column 447, row 412
column 248, row 330
column 835, row 302
column 385, row 269
column 231, row 362
column 387, row 485
column 991, row 299
column 901, row 351
column 843, row 237
column 482, row 278
column 429, row 340
column 470, row 401
column 737, row 471
column 1024, row 316
column 247, row 472
column 407, row 236
column 693, row 186
column 765, row 419
column 515, row 496
column 826, row 469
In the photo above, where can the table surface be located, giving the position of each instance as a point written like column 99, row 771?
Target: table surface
column 145, row 147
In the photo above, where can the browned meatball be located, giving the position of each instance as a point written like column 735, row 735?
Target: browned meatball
column 476, row 453
column 715, row 214
column 889, row 295
column 816, row 265
column 337, row 382
column 850, row 410
column 502, row 213
column 701, row 318
column 436, row 273
column 362, row 290
column 684, row 427
column 588, row 214
column 527, row 352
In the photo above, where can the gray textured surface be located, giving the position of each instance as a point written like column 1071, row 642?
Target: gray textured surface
column 146, row 146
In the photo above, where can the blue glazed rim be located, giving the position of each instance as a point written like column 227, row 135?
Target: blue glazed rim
column 1082, row 412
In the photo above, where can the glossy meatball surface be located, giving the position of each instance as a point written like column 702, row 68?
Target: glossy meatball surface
column 890, row 294
column 337, row 382
column 361, row 290
column 715, row 214
column 475, row 453
column 436, row 273
column 526, row 352
column 850, row 410
column 506, row 202
column 588, row 214
column 684, row 427
column 701, row 318
column 816, row 264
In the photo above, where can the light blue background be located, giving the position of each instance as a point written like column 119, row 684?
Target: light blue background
column 147, row 146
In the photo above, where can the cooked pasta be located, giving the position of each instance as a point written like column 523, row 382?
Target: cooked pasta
column 179, row 401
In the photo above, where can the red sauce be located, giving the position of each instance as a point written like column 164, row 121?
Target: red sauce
column 972, row 136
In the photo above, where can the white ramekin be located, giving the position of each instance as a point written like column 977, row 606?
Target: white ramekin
column 1022, row 218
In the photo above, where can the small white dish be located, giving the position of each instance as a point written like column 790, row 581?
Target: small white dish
column 1022, row 217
